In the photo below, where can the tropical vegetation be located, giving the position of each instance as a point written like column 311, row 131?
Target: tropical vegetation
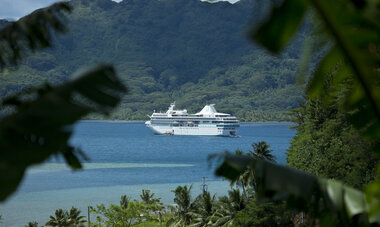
column 236, row 208
column 149, row 210
column 204, row 210
column 67, row 218
column 341, row 113
column 32, row 224
column 202, row 56
column 327, row 144
column 184, row 206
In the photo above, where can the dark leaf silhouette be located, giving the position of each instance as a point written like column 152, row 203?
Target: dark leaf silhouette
column 261, row 151
column 32, row 32
column 354, row 58
column 354, row 55
column 280, row 27
column 42, row 121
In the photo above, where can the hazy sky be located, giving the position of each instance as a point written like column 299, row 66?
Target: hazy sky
column 17, row 8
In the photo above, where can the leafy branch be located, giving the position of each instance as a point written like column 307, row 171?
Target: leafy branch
column 354, row 58
column 32, row 32
column 41, row 123
column 355, row 53
column 40, row 126
column 331, row 201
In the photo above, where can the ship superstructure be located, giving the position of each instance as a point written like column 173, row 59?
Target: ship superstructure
column 206, row 122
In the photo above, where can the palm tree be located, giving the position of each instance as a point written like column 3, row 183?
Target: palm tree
column 204, row 210
column 158, row 208
column 32, row 224
column 147, row 197
column 74, row 218
column 227, row 207
column 152, row 204
column 223, row 213
column 60, row 219
column 124, row 200
column 185, row 206
column 246, row 178
column 238, row 201
column 261, row 151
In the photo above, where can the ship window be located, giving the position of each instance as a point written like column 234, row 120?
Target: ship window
column 206, row 122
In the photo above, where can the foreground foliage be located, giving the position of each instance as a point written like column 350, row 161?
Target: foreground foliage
column 331, row 201
column 33, row 32
column 353, row 55
column 39, row 127
column 39, row 121
column 353, row 59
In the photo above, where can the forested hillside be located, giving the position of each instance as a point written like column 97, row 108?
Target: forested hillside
column 185, row 50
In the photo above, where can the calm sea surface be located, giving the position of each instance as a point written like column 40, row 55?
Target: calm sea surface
column 125, row 157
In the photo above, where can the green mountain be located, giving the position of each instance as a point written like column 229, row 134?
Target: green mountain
column 164, row 50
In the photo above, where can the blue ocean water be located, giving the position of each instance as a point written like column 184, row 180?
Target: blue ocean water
column 126, row 157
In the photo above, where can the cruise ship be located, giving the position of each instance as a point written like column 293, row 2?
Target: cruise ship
column 207, row 122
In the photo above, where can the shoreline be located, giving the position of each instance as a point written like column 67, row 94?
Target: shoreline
column 142, row 121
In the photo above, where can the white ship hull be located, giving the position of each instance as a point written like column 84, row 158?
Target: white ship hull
column 191, row 131
column 207, row 122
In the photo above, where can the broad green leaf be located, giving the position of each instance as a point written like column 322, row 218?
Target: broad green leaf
column 42, row 126
column 282, row 24
column 354, row 201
